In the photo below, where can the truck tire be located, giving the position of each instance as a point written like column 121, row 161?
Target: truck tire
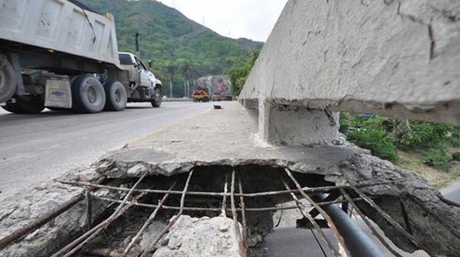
column 34, row 105
column 156, row 102
column 7, row 79
column 88, row 95
column 116, row 95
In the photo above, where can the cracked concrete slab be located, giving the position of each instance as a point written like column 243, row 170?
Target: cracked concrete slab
column 219, row 137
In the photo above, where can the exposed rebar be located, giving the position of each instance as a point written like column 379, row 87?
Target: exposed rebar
column 200, row 209
column 323, row 213
column 24, row 231
column 147, row 223
column 77, row 244
column 368, row 223
column 173, row 221
column 312, row 221
column 385, row 215
column 243, row 217
column 234, row 214
column 324, row 189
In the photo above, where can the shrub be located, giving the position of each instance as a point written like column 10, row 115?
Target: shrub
column 456, row 156
column 423, row 135
column 455, row 138
column 375, row 140
column 438, row 158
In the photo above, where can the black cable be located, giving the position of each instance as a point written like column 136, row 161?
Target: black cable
column 319, row 243
column 281, row 217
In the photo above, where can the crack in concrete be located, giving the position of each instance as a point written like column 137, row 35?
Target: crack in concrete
column 432, row 41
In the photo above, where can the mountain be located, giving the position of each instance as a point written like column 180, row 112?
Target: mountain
column 167, row 35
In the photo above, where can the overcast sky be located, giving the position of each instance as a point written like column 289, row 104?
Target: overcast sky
column 253, row 19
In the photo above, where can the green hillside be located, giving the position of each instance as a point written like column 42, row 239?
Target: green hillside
column 171, row 39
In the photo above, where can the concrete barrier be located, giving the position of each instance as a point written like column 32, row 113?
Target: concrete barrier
column 398, row 58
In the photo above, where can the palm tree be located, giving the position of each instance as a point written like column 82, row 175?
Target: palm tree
column 187, row 69
column 170, row 69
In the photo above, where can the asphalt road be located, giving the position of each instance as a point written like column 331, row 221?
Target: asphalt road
column 452, row 192
column 36, row 148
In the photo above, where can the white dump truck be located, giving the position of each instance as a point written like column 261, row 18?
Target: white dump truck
column 61, row 54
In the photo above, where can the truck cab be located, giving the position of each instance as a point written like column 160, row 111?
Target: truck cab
column 142, row 83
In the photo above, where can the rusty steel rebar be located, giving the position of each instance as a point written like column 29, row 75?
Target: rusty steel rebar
column 77, row 244
column 312, row 221
column 243, row 217
column 446, row 224
column 368, row 223
column 235, row 216
column 89, row 208
column 241, row 231
column 385, row 215
column 323, row 189
column 331, row 224
column 224, row 200
column 199, row 209
column 20, row 233
column 147, row 223
column 173, row 221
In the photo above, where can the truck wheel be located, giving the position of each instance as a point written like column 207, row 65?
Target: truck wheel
column 7, row 79
column 116, row 95
column 156, row 103
column 88, row 95
column 33, row 105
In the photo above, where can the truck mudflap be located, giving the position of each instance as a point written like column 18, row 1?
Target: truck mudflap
column 58, row 93
column 7, row 79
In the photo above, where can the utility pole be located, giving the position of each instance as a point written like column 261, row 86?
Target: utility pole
column 138, row 53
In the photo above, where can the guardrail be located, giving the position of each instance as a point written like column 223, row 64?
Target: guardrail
column 177, row 100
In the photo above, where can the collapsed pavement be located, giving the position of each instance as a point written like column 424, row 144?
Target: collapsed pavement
column 175, row 152
column 397, row 58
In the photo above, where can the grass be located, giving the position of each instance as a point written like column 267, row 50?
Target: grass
column 413, row 161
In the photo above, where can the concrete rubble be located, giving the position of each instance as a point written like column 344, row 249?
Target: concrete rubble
column 201, row 237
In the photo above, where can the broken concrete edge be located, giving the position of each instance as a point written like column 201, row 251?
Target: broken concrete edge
column 22, row 209
column 359, row 168
column 406, row 187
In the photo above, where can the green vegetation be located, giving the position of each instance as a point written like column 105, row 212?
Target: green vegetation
column 239, row 73
column 434, row 145
column 377, row 141
column 171, row 39
column 438, row 158
column 456, row 156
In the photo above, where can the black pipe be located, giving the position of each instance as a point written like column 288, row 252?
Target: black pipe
column 358, row 243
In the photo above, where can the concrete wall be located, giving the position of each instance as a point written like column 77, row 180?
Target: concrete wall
column 396, row 58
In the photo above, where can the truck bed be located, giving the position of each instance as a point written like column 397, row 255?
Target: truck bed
column 60, row 25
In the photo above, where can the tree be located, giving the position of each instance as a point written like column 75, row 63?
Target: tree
column 170, row 68
column 239, row 73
